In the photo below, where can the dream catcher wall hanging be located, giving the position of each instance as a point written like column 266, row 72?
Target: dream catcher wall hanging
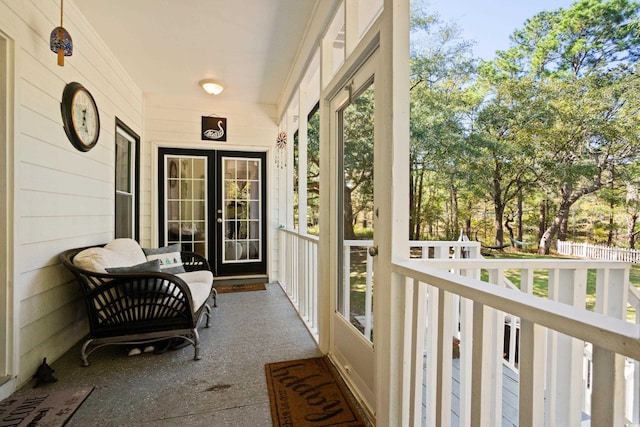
column 60, row 40
column 281, row 145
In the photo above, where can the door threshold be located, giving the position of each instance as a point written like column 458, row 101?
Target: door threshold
column 236, row 280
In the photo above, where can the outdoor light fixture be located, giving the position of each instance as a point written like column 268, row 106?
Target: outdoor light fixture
column 212, row 87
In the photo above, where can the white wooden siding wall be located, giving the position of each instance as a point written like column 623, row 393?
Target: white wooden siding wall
column 64, row 198
column 176, row 122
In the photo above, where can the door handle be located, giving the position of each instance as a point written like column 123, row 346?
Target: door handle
column 219, row 220
column 373, row 250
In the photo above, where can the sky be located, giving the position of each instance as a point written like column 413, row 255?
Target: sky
column 491, row 22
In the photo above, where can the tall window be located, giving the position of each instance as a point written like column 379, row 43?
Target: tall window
column 126, row 205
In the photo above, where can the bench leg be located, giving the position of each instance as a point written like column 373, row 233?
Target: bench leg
column 84, row 356
column 196, row 344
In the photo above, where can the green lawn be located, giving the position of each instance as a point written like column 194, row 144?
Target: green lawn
column 540, row 278
column 358, row 279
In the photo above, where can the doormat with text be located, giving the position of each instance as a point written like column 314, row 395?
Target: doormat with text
column 309, row 392
column 243, row 287
column 44, row 409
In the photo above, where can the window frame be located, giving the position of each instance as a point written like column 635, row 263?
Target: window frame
column 134, row 174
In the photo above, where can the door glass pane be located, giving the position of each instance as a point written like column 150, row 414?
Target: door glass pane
column 355, row 293
column 313, row 172
column 124, row 207
column 242, row 213
column 186, row 206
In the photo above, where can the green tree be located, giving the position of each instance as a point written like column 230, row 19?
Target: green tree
column 582, row 61
column 504, row 142
column 442, row 70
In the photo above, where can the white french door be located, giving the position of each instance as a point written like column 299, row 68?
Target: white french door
column 213, row 202
column 353, row 126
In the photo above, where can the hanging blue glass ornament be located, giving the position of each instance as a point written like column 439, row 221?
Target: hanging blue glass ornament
column 60, row 41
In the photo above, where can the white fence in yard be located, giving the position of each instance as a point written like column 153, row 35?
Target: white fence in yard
column 549, row 343
column 602, row 252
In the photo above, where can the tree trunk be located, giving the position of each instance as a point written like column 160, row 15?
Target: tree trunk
column 542, row 219
column 561, row 221
column 519, row 217
column 498, row 224
column 412, row 203
column 467, row 222
column 509, row 229
column 550, row 233
column 610, row 234
column 564, row 226
column 499, row 209
column 349, row 233
column 631, row 225
column 415, row 203
column 455, row 211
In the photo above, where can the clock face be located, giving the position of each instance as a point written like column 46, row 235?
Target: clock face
column 80, row 116
column 84, row 116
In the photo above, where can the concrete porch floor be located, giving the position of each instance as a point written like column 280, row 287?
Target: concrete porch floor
column 227, row 387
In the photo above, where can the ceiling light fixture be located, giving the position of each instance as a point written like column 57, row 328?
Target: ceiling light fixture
column 212, row 87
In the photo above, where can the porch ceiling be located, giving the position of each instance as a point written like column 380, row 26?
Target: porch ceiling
column 168, row 46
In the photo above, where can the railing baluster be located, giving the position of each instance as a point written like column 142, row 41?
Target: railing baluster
column 443, row 355
column 566, row 358
column 346, row 283
column 416, row 297
column 431, row 341
column 482, row 386
column 466, row 360
column 608, row 385
column 531, row 394
column 368, row 298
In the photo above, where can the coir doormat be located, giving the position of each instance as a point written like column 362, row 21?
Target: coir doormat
column 309, row 392
column 50, row 409
column 243, row 287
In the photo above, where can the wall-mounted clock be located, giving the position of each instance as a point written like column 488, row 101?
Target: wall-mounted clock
column 80, row 116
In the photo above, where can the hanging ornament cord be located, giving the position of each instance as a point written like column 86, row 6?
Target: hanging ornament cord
column 61, row 50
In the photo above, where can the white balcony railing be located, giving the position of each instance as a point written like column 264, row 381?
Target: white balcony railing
column 299, row 274
column 551, row 343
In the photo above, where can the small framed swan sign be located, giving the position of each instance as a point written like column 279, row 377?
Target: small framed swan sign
column 214, row 128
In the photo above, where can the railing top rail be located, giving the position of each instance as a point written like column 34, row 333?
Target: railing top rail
column 485, row 263
column 418, row 243
column 443, row 243
column 607, row 332
column 307, row 237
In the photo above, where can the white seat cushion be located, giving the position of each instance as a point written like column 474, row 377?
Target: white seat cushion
column 200, row 284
